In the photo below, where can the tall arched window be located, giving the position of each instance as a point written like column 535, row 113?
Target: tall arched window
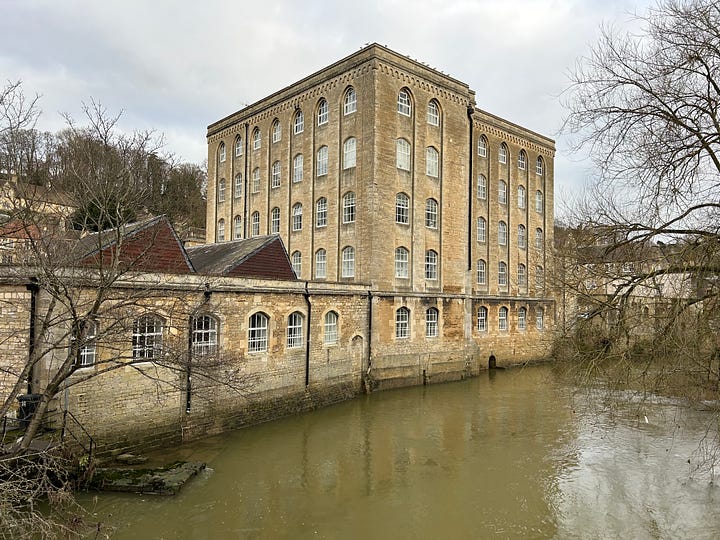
column 539, row 166
column 539, row 318
column 298, row 122
column 258, row 332
column 298, row 168
column 237, row 228
column 348, row 262
column 502, row 274
column 521, row 197
column 538, row 201
column 350, row 101
column 221, row 190
column 503, row 153
column 222, row 153
column 349, row 207
column 297, row 212
column 276, row 131
column 238, row 186
column 296, row 260
column 431, row 264
column 432, row 162
column 256, row 139
column 322, row 112
column 538, row 238
column 322, row 161
column 295, row 330
column 256, row 180
column 401, row 263
column 522, row 160
column 275, row 174
column 402, row 209
column 402, row 323
column 521, row 237
column 330, row 328
column 320, row 264
column 147, row 338
column 431, row 322
column 522, row 318
column 255, row 224
column 203, row 335
column 503, row 319
column 481, row 229
column 482, row 146
column 539, row 277
column 221, row 230
column 349, row 153
column 482, row 313
column 482, row 187
column 321, row 212
column 502, row 192
column 481, row 272
column 502, row 233
column 238, row 146
column 522, row 275
column 402, row 154
column 433, row 113
column 431, row 214
column 404, row 103
column 275, row 221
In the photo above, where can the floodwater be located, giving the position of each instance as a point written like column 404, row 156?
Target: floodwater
column 510, row 454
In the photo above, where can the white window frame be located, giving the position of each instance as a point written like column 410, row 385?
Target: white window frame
column 481, row 230
column 522, row 275
column 539, row 166
column 203, row 335
column 503, row 319
column 433, row 113
column 237, row 227
column 431, row 265
column 432, row 162
column 348, row 262
column 481, row 272
column 238, row 147
column 402, row 209
column 276, row 131
column 502, row 233
column 539, row 277
column 323, row 112
column 402, row 257
column 256, row 139
column 297, row 211
column 256, row 180
column 404, row 103
column 350, row 101
column 222, row 189
column 295, row 337
column 298, row 123
column 349, row 153
column 482, row 187
column 503, row 154
column 222, row 152
column 482, row 147
column 431, row 214
column 238, row 186
column 482, row 317
column 402, row 154
column 298, row 168
column 147, row 338
column 522, row 160
column 330, row 328
column 522, row 237
column 275, row 175
column 431, row 322
column 87, row 354
column 221, row 230
column 296, row 261
column 255, row 224
column 275, row 221
column 321, row 208
column 502, row 192
column 320, row 264
column 522, row 319
column 402, row 323
column 539, row 238
column 521, row 199
column 349, row 207
column 502, row 274
column 539, row 201
column 257, row 336
column 539, row 318
column 322, row 161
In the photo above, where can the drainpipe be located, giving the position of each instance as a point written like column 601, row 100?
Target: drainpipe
column 369, row 330
column 470, row 112
column 188, row 372
column 308, row 306
column 34, row 289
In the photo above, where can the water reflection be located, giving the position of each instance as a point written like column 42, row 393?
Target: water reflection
column 507, row 455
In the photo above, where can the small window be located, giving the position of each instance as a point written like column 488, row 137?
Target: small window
column 222, row 153
column 238, row 147
column 522, row 160
column 402, row 323
column 87, row 353
column 538, row 238
column 521, row 239
column 255, row 224
column 297, row 212
column 403, row 154
column 204, row 335
column 350, row 101
column 539, row 277
column 275, row 221
column 502, row 233
column 539, row 166
column 348, row 262
column 432, row 160
column 431, row 322
column 322, row 115
column 502, row 274
column 481, row 273
column 238, row 186
column 276, row 131
column 320, row 264
column 330, row 334
column 221, row 230
column 482, row 187
column 237, row 228
column 431, row 265
column 404, row 105
column 349, row 207
column 322, row 161
column 298, row 168
column 538, row 201
column 295, row 330
column 502, row 192
column 349, row 153
column 147, row 338
column 298, row 122
column 275, row 175
column 321, row 212
column 256, row 180
column 258, row 333
column 401, row 263
column 522, row 318
column 503, row 153
column 431, row 214
column 256, row 139
column 482, row 147
column 296, row 260
column 481, row 229
column 482, row 319
column 539, row 316
column 221, row 190
column 402, row 209
column 433, row 113
column 522, row 276
column 521, row 197
column 503, row 319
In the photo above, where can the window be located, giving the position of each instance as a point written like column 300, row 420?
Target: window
column 431, row 264
column 431, row 322
column 539, row 277
column 503, row 153
column 522, row 316
column 482, row 187
column 522, row 160
column 403, row 154
column 502, row 192
column 482, row 314
column 538, row 201
column 433, row 113
column 503, row 319
column 147, row 338
column 402, row 209
column 482, row 146
column 522, row 237
column 404, row 105
column 481, row 229
column 275, row 175
column 237, row 228
column 297, row 217
column 539, row 166
column 539, row 315
column 521, row 197
column 204, row 335
column 255, row 224
column 481, row 274
column 321, row 212
column 238, row 147
column 222, row 152
column 87, row 353
column 432, row 159
column 502, row 233
column 275, row 221
column 538, row 238
column 320, row 264
column 299, row 122
column 295, row 330
column 238, row 186
column 348, row 262
column 258, row 333
column 276, row 131
column 522, row 275
column 401, row 263
column 349, row 153
column 221, row 190
column 402, row 323
column 221, row 230
column 298, row 168
column 502, row 274
column 322, row 115
column 256, row 139
column 350, row 101
column 322, row 161
column 349, row 207
column 330, row 334
column 297, row 263
column 431, row 213
column 256, row 180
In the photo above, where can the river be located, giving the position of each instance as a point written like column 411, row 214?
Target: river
column 510, row 454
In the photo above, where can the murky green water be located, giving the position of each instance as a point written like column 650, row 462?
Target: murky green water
column 507, row 455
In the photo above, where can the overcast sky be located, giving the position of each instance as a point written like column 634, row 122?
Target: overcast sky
column 177, row 66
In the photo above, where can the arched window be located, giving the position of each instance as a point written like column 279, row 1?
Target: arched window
column 349, row 153
column 295, row 330
column 298, row 122
column 431, row 213
column 330, row 328
column 147, row 338
column 322, row 161
column 433, row 113
column 297, row 263
column 502, row 192
column 481, row 229
column 297, row 212
column 539, row 277
column 502, row 274
column 522, row 318
column 522, row 275
column 275, row 175
column 275, row 221
column 521, row 239
column 539, row 316
column 321, row 212
column 298, row 168
column 503, row 319
column 322, row 112
column 432, row 160
column 237, row 228
column 502, row 233
column 276, row 131
column 221, row 190
column 521, row 197
column 349, row 207
column 258, row 332
column 238, row 146
column 222, row 153
column 238, row 186
column 204, row 335
column 482, row 313
column 538, row 201
column 503, row 153
column 320, row 264
column 538, row 238
column 482, row 187
column 256, row 180
column 348, row 262
column 431, row 264
column 481, row 272
column 404, row 103
column 255, row 224
column 350, row 101
column 401, row 263
column 482, row 146
column 522, row 160
column 221, row 230
column 431, row 322
column 402, row 323
column 402, row 209
column 403, row 154
column 256, row 139
column 539, row 166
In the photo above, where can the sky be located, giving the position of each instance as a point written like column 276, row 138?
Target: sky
column 177, row 66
